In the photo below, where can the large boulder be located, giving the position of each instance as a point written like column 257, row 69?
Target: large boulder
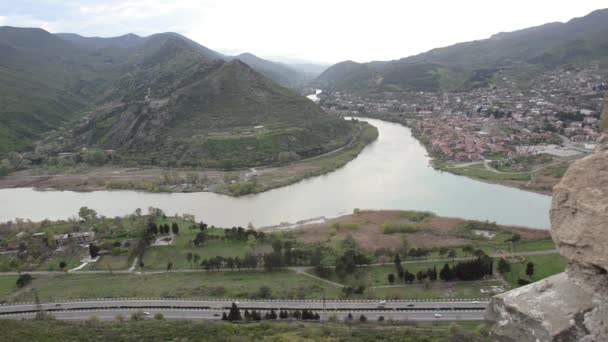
column 570, row 306
column 579, row 213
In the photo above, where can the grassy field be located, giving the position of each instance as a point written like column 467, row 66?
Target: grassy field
column 544, row 266
column 479, row 171
column 179, row 285
column 157, row 257
column 219, row 331
column 111, row 263
column 440, row 290
column 7, row 285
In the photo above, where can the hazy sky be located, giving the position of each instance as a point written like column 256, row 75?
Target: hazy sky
column 317, row 30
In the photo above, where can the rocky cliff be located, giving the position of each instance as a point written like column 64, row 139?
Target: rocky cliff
column 570, row 306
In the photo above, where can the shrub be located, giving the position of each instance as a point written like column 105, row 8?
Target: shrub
column 346, row 226
column 416, row 216
column 398, row 227
column 138, row 316
column 24, row 280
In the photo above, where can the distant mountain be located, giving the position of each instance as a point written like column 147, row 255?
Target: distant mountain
column 311, row 69
column 94, row 43
column 162, row 100
column 278, row 72
column 471, row 64
column 132, row 41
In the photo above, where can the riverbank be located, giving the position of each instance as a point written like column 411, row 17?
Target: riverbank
column 154, row 179
column 540, row 180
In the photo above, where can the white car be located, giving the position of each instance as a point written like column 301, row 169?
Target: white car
column 382, row 303
column 146, row 313
column 475, row 302
column 438, row 316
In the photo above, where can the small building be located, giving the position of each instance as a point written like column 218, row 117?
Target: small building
column 78, row 237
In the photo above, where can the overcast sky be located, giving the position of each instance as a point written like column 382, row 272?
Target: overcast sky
column 318, row 30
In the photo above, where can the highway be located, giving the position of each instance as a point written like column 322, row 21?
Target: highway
column 212, row 309
column 111, row 314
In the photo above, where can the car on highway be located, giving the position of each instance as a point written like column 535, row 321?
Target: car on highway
column 438, row 316
column 410, row 305
column 146, row 313
column 381, row 303
column 475, row 302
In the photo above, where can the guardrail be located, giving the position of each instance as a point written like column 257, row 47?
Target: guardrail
column 249, row 300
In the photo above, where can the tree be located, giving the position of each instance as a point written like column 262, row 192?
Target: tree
column 159, row 316
column 175, row 228
column 235, row 313
column 516, row 237
column 141, row 263
column 169, row 266
column 530, row 269
column 503, row 266
column 62, row 265
column 87, row 214
column 200, row 238
column 454, row 329
column 362, row 319
column 272, row 315
column 24, row 280
column 189, row 257
column 153, row 228
column 452, row 254
column 93, row 251
column 408, row 277
column 445, row 273
column 391, row 278
column 265, row 292
column 224, row 317
column 196, row 259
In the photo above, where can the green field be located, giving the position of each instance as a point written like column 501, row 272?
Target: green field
column 7, row 285
column 111, row 263
column 179, row 285
column 440, row 291
column 479, row 171
column 544, row 266
column 158, row 257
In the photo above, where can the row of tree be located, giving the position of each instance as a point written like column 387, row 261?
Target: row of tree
column 408, row 277
column 468, row 270
column 163, row 229
column 235, row 314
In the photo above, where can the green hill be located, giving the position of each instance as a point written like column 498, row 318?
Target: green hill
column 44, row 82
column 162, row 100
column 467, row 65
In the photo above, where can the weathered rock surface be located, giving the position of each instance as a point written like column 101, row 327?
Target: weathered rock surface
column 579, row 213
column 540, row 311
column 570, row 306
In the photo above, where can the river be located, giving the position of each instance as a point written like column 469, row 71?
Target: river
column 390, row 173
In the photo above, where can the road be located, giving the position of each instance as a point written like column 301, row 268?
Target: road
column 111, row 314
column 212, row 309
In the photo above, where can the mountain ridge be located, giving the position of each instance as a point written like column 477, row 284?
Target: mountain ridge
column 470, row 64
column 163, row 99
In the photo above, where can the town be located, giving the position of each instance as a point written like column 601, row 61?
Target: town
column 556, row 113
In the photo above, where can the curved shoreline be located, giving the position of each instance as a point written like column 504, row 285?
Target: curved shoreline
column 153, row 180
column 511, row 183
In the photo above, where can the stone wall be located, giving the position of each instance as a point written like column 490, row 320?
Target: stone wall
column 570, row 306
